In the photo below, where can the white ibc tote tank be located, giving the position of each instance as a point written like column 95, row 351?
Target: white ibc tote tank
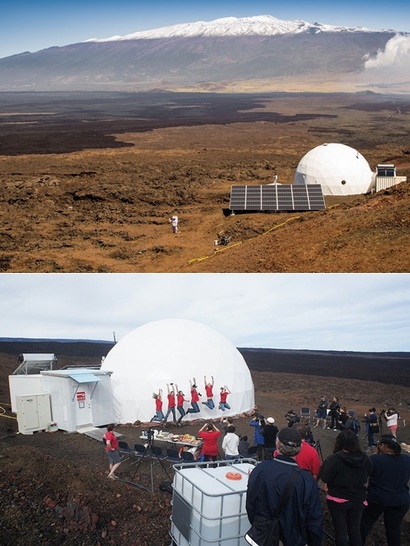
column 175, row 351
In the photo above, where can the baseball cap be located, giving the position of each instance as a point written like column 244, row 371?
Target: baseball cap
column 270, row 420
column 290, row 437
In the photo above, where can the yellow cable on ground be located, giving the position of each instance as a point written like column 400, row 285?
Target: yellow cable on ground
column 194, row 260
column 280, row 225
column 8, row 417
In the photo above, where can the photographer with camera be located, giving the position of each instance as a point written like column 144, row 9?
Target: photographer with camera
column 258, row 422
column 209, row 433
column 292, row 418
column 392, row 418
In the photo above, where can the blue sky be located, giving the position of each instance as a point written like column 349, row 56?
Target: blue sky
column 26, row 25
column 357, row 312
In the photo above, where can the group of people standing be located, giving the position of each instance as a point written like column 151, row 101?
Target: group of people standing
column 359, row 489
column 335, row 416
column 176, row 400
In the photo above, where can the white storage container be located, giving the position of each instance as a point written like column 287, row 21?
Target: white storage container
column 208, row 507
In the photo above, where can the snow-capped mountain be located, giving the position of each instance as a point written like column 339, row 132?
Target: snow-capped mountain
column 227, row 53
column 261, row 25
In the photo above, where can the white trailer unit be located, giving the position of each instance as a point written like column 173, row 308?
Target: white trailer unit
column 208, row 506
column 80, row 397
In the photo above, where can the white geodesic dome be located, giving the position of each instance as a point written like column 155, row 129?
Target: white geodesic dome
column 339, row 169
column 175, row 351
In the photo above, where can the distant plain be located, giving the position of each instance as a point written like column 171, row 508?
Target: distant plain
column 89, row 180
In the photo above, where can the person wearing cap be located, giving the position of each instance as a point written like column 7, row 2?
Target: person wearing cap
column 345, row 474
column 388, row 490
column 301, row 518
column 269, row 433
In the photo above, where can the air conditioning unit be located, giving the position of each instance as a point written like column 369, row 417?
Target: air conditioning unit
column 33, row 413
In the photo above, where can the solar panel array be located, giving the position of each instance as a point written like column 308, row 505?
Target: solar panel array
column 277, row 197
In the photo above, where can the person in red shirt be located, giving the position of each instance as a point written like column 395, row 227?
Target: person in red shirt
column 194, row 397
column 308, row 457
column 223, row 404
column 209, row 433
column 171, row 404
column 111, row 447
column 209, row 393
column 180, row 403
column 157, row 396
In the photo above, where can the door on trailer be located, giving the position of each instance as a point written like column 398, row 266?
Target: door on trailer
column 83, row 409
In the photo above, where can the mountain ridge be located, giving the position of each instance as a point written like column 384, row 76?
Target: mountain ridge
column 260, row 25
column 227, row 53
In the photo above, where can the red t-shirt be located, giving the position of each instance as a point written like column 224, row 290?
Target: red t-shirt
column 224, row 396
column 308, row 458
column 180, row 399
column 110, row 437
column 194, row 395
column 210, row 438
column 171, row 400
column 209, row 391
column 158, row 404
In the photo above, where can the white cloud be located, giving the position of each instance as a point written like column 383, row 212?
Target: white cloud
column 364, row 312
column 395, row 56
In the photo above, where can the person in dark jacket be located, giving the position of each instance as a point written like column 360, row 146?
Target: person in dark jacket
column 345, row 474
column 372, row 426
column 258, row 422
column 269, row 433
column 321, row 413
column 292, row 417
column 388, row 490
column 301, row 519
column 342, row 420
column 334, row 412
column 243, row 447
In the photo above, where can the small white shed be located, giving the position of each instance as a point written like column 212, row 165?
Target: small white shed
column 79, row 397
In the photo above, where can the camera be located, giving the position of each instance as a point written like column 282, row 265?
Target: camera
column 148, row 434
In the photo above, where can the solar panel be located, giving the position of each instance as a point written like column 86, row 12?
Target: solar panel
column 277, row 197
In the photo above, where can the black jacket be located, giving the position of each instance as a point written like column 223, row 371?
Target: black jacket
column 346, row 475
column 301, row 519
column 269, row 433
